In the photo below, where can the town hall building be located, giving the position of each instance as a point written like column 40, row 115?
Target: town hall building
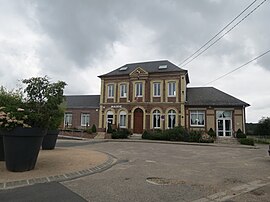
column 154, row 95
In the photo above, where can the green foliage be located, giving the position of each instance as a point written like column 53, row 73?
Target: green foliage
column 251, row 128
column 178, row 134
column 212, row 133
column 205, row 138
column 240, row 134
column 11, row 109
column 94, row 128
column 195, row 136
column 263, row 127
column 88, row 130
column 246, row 141
column 43, row 101
column 109, row 130
column 121, row 134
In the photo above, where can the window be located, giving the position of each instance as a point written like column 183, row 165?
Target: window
column 156, row 89
column 171, row 118
column 110, row 91
column 122, row 119
column 139, row 89
column 156, row 118
column 171, row 89
column 123, row 90
column 197, row 118
column 85, row 118
column 68, row 119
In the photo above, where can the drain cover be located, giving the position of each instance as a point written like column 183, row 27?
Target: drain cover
column 163, row 181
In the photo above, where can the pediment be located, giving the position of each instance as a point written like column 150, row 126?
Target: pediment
column 138, row 72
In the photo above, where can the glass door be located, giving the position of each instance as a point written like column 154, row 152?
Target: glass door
column 224, row 123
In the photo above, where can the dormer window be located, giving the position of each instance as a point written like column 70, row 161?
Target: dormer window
column 162, row 67
column 123, row 68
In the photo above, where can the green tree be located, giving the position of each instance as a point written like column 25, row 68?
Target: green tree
column 263, row 127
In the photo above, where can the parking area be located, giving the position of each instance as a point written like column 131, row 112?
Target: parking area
column 166, row 172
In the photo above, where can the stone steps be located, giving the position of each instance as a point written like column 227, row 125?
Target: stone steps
column 226, row 140
column 100, row 135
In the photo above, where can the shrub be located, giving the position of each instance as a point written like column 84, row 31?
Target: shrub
column 195, row 136
column 246, row 141
column 121, row 134
column 94, row 128
column 205, row 138
column 88, row 130
column 109, row 130
column 212, row 133
column 240, row 134
column 146, row 135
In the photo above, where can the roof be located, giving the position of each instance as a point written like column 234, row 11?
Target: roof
column 210, row 96
column 150, row 67
column 82, row 101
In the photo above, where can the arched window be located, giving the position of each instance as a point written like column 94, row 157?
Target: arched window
column 122, row 119
column 156, row 119
column 171, row 118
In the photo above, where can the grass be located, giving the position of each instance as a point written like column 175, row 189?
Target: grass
column 261, row 139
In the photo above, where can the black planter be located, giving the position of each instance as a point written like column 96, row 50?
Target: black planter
column 2, row 153
column 49, row 139
column 22, row 147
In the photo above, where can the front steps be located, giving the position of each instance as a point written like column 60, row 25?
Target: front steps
column 226, row 140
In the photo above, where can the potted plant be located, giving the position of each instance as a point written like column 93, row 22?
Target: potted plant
column 25, row 124
column 56, row 111
column 9, row 102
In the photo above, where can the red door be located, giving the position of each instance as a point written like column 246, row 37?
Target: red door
column 138, row 121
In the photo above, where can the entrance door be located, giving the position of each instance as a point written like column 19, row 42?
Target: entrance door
column 109, row 119
column 224, row 127
column 138, row 121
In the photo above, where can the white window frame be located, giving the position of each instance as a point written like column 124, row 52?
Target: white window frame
column 68, row 119
column 110, row 91
column 172, row 89
column 85, row 118
column 197, row 113
column 156, row 119
column 123, row 119
column 171, row 113
column 156, row 89
column 139, row 89
column 123, row 90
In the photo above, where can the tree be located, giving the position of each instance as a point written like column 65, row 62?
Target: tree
column 263, row 127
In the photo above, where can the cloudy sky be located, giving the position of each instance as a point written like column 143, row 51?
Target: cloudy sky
column 77, row 40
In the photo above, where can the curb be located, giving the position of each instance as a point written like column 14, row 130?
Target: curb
column 170, row 142
column 111, row 161
column 182, row 143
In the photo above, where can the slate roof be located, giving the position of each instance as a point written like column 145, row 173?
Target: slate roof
column 82, row 101
column 210, row 96
column 150, row 67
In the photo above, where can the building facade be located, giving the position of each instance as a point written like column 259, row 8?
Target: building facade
column 154, row 95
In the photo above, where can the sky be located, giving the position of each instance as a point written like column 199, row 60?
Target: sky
column 77, row 40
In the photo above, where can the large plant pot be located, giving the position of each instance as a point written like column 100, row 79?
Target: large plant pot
column 49, row 139
column 22, row 147
column 2, row 153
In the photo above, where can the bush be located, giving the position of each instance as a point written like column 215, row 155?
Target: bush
column 121, row 134
column 212, row 133
column 263, row 127
column 94, row 128
column 109, row 130
column 240, row 134
column 205, row 138
column 195, row 136
column 246, row 141
column 88, row 130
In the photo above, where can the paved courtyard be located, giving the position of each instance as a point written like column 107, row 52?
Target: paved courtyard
column 165, row 172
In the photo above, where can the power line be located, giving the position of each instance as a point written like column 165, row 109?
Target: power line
column 238, row 67
column 223, row 34
column 217, row 33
